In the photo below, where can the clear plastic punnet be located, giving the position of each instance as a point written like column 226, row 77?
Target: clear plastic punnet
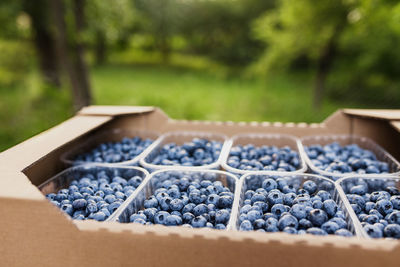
column 258, row 140
column 363, row 142
column 252, row 181
column 374, row 183
column 179, row 138
column 135, row 202
column 64, row 178
column 114, row 135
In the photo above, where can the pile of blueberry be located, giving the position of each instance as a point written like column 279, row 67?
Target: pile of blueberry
column 273, row 205
column 198, row 152
column 344, row 159
column 377, row 209
column 114, row 152
column 94, row 196
column 264, row 158
column 193, row 200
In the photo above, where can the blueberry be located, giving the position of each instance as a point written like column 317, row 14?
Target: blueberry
column 343, row 232
column 259, row 224
column 91, row 208
column 392, row 230
column 176, row 204
column 173, row 220
column 188, row 207
column 263, row 206
column 278, row 209
column 114, row 206
column 165, row 203
column 358, row 190
column 370, row 219
column 187, row 217
column 330, row 207
column 110, row 199
column 246, row 226
column 67, row 208
column 200, row 210
column 161, row 217
column 225, row 202
column 152, row 202
column 392, row 190
column 317, row 217
column 317, row 204
column 287, row 221
column 220, row 226
column 275, row 198
column 79, row 204
column 310, row 187
column 395, row 200
column 254, row 215
column 330, row 227
column 305, row 224
column 298, row 211
column 373, row 231
column 384, row 206
column 288, row 198
column 222, row 216
column 99, row 216
column 375, row 212
column 199, row 221
column 339, row 221
column 394, row 217
column 290, row 230
column 269, row 184
column 316, row 231
column 195, row 197
column 324, row 195
column 150, row 213
column 271, row 225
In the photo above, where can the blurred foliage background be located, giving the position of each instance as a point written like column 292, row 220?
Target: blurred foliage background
column 240, row 60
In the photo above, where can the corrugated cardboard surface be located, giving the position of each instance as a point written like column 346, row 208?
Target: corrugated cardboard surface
column 34, row 233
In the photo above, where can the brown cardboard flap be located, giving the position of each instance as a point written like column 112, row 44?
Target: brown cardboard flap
column 16, row 185
column 114, row 110
column 22, row 155
column 396, row 125
column 384, row 114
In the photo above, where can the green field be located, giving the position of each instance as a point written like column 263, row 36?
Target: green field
column 183, row 92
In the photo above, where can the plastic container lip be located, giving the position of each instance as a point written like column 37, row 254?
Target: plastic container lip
column 112, row 135
column 349, row 178
column 145, row 188
column 181, row 137
column 363, row 142
column 269, row 139
column 50, row 185
column 338, row 197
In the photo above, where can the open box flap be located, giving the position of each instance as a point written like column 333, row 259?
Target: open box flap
column 114, row 110
column 384, row 114
column 33, row 149
column 396, row 125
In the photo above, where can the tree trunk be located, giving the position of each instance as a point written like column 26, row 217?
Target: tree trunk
column 80, row 64
column 100, row 48
column 43, row 40
column 324, row 65
column 71, row 53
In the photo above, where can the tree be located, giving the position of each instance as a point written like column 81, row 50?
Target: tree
column 107, row 24
column 160, row 19
column 71, row 50
column 304, row 28
column 43, row 39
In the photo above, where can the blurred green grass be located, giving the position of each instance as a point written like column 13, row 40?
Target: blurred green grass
column 195, row 91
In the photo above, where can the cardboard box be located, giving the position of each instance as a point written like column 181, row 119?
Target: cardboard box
column 35, row 233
